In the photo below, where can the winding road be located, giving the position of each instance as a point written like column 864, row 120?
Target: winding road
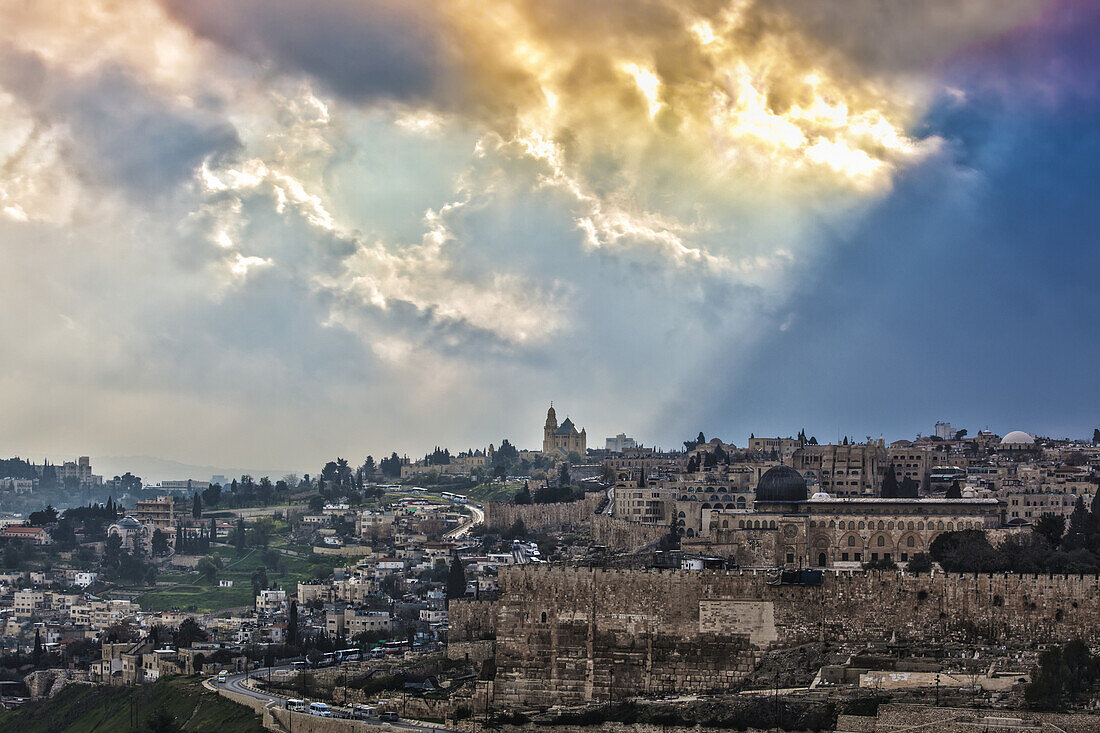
column 235, row 683
column 464, row 529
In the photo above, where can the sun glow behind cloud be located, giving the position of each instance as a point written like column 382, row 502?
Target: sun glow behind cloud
column 602, row 174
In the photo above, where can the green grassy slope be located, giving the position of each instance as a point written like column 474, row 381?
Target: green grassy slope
column 100, row 709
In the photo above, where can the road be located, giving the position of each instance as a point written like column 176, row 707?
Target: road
column 464, row 529
column 233, row 683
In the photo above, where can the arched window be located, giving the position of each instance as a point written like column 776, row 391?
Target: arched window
column 851, row 541
column 881, row 541
column 740, row 502
column 832, row 524
column 889, row 525
column 861, row 525
column 950, row 526
column 725, row 524
column 821, row 560
column 682, row 514
column 544, row 616
column 920, row 525
column 910, row 542
column 881, row 524
column 690, row 532
column 771, row 525
column 910, row 525
column 741, row 524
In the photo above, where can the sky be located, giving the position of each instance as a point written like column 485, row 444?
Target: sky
column 269, row 233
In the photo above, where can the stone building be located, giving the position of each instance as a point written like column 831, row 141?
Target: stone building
column 843, row 470
column 561, row 440
column 788, row 527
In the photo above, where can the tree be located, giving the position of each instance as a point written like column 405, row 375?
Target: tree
column 919, row 563
column 64, row 535
column 1051, row 527
column 208, row 567
column 517, row 531
column 162, row 721
column 212, row 494
column 523, row 496
column 456, row 580
column 292, row 623
column 955, row 492
column 189, row 632
column 259, row 581
column 196, row 506
column 37, row 654
column 240, row 537
column 909, row 488
column 369, row 467
column 43, row 517
column 159, row 542
column 563, row 475
column 890, row 486
column 391, row 467
column 960, row 434
column 1096, row 436
column 316, row 503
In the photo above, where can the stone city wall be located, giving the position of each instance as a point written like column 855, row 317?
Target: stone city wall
column 539, row 517
column 578, row 634
column 623, row 535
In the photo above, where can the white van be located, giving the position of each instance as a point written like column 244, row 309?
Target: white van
column 320, row 709
column 297, row 705
column 222, row 676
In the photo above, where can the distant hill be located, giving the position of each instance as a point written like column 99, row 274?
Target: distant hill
column 81, row 708
column 154, row 470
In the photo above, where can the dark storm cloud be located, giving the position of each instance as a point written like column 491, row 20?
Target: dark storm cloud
column 121, row 132
column 360, row 49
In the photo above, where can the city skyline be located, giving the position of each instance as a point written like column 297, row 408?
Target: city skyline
column 258, row 236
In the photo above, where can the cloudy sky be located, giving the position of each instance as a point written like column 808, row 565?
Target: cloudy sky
column 267, row 233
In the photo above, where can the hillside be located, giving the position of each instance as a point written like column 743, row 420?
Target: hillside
column 99, row 709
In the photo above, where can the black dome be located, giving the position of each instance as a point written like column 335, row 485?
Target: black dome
column 781, row 483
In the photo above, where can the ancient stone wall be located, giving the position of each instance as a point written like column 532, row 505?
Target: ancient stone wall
column 578, row 634
column 471, row 620
column 623, row 535
column 539, row 517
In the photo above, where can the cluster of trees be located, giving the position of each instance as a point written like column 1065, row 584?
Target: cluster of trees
column 1064, row 676
column 1049, row 548
column 547, row 494
column 907, row 489
column 126, row 566
column 191, row 544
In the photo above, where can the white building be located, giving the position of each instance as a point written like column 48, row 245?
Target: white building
column 943, row 431
column 620, row 443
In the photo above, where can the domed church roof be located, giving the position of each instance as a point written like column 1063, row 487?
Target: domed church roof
column 1017, row 437
column 781, row 483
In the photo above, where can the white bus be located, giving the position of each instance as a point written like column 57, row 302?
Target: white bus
column 319, row 709
column 364, row 712
column 297, row 705
column 222, row 676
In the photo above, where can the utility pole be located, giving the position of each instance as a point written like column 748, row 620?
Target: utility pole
column 777, row 700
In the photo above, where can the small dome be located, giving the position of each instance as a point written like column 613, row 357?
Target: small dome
column 781, row 483
column 820, row 496
column 969, row 493
column 1018, row 437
